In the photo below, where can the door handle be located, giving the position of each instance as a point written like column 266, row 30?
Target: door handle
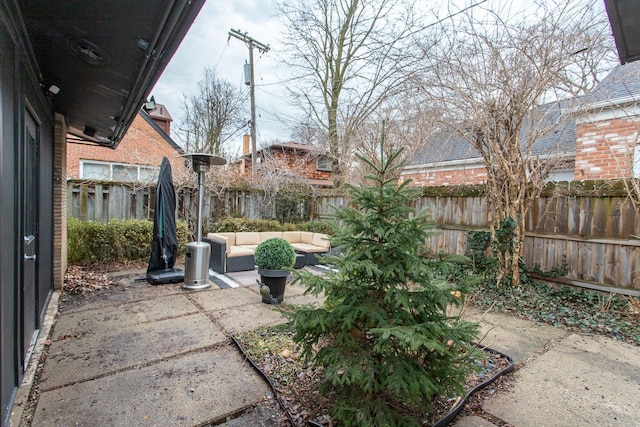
column 28, row 239
column 30, row 257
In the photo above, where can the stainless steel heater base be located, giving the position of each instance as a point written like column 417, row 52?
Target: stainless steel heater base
column 196, row 275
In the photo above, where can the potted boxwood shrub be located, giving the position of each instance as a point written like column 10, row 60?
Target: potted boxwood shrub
column 273, row 257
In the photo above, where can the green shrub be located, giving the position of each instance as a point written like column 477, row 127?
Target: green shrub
column 383, row 337
column 182, row 234
column 117, row 241
column 325, row 227
column 230, row 225
column 479, row 243
column 275, row 254
column 266, row 225
column 287, row 226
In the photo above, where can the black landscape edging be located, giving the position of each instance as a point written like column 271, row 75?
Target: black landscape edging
column 266, row 378
column 442, row 422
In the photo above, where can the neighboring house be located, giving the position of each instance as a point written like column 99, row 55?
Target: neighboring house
column 137, row 157
column 83, row 68
column 592, row 137
column 608, row 127
column 292, row 160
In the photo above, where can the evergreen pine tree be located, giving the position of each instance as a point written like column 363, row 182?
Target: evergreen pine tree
column 383, row 337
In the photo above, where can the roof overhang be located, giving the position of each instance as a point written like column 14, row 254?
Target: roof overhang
column 98, row 60
column 623, row 17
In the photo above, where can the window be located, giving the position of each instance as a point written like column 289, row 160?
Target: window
column 636, row 161
column 105, row 171
column 323, row 163
column 148, row 173
column 124, row 173
column 97, row 171
column 559, row 175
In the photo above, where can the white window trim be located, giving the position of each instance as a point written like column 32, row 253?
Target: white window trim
column 112, row 164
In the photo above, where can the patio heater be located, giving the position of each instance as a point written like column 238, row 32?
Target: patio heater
column 196, row 263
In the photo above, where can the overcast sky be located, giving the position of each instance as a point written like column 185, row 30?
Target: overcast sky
column 206, row 45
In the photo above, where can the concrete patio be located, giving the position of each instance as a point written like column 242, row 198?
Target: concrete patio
column 161, row 356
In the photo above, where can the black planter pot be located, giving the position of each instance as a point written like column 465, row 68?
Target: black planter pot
column 276, row 280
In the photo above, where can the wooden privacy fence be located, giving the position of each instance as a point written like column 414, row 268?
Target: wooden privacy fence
column 100, row 201
column 597, row 236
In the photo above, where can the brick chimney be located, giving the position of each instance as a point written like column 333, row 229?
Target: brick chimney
column 163, row 119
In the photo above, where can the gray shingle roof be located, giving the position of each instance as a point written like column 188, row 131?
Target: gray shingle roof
column 559, row 132
column 622, row 83
column 444, row 147
column 559, row 137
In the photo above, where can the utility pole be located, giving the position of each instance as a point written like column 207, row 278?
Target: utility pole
column 263, row 48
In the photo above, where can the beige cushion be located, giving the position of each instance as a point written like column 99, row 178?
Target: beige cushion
column 321, row 240
column 239, row 251
column 230, row 236
column 306, row 247
column 247, row 238
column 218, row 237
column 264, row 235
column 227, row 238
column 306, row 237
column 291, row 236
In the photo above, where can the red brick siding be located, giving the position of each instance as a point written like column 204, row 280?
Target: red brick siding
column 604, row 150
column 141, row 145
column 301, row 162
column 59, row 202
column 449, row 177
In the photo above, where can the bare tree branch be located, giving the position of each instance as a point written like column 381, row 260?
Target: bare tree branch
column 214, row 115
column 493, row 74
column 352, row 57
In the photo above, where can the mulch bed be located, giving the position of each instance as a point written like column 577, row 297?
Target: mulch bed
column 296, row 384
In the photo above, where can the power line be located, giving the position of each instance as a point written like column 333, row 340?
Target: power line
column 281, row 81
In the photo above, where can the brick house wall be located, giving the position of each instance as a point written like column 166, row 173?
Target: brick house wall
column 59, row 202
column 141, row 145
column 605, row 146
column 471, row 176
column 289, row 157
column 598, row 135
column 303, row 163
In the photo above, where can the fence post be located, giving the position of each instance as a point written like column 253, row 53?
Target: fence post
column 83, row 207
column 97, row 205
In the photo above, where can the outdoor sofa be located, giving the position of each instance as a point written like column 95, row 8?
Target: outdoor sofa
column 234, row 251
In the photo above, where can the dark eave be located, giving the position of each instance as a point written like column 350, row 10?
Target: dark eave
column 105, row 56
column 624, row 17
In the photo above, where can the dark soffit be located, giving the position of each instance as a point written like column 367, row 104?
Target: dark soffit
column 105, row 56
column 624, row 17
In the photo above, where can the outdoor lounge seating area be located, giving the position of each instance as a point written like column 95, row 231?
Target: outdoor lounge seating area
column 234, row 251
